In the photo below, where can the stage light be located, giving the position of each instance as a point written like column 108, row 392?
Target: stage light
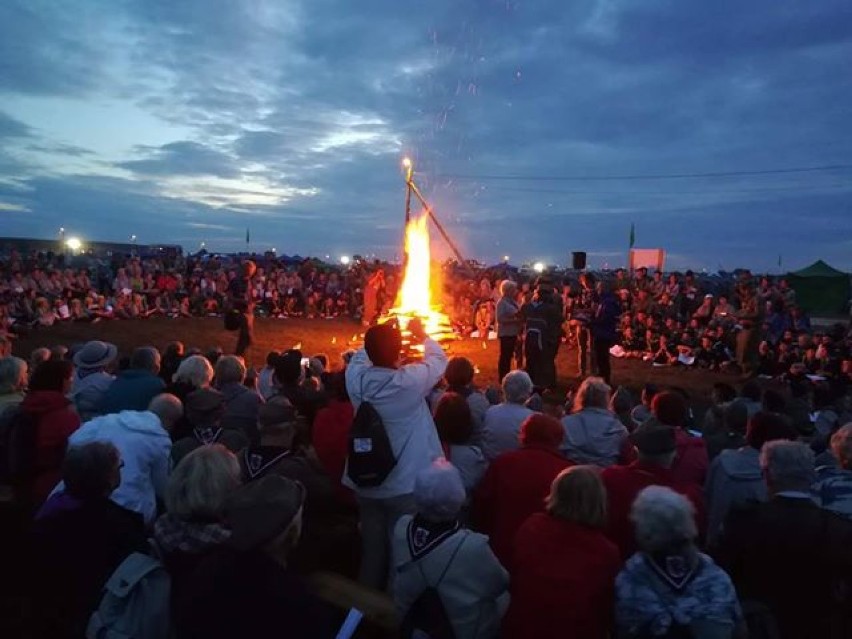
column 74, row 243
column 538, row 267
column 345, row 259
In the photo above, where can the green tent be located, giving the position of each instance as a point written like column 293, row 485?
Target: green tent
column 821, row 288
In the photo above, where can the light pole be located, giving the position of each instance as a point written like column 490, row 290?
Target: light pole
column 133, row 242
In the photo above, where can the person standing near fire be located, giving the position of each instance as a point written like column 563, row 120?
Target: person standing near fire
column 240, row 301
column 543, row 330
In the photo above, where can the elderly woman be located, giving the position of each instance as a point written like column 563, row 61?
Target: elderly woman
column 594, row 435
column 563, row 568
column 195, row 496
column 194, row 373
column 834, row 485
column 669, row 587
column 13, row 381
column 502, row 423
column 509, row 325
column 432, row 549
column 454, row 422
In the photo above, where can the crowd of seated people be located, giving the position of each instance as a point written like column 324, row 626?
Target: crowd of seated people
column 609, row 515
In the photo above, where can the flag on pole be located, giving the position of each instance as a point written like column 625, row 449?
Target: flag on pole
column 779, row 260
column 632, row 234
column 248, row 237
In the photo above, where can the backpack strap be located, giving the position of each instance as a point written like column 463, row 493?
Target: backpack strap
column 465, row 534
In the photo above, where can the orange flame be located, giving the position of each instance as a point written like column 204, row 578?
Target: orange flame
column 415, row 294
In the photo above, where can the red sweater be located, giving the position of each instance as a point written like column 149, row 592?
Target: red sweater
column 55, row 421
column 624, row 483
column 690, row 465
column 514, row 487
column 331, row 441
column 563, row 581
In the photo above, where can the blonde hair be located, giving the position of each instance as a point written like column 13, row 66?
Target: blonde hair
column 195, row 370
column 200, row 483
column 578, row 495
column 593, row 393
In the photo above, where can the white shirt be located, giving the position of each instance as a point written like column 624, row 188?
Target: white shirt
column 399, row 396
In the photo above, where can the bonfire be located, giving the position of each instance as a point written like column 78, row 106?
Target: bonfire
column 415, row 298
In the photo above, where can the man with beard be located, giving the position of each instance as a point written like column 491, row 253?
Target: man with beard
column 543, row 323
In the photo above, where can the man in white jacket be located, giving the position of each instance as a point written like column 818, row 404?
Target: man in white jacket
column 142, row 438
column 398, row 393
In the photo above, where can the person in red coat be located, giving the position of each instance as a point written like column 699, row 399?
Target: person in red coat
column 330, row 436
column 517, row 483
column 46, row 403
column 691, row 463
column 563, row 567
column 656, row 448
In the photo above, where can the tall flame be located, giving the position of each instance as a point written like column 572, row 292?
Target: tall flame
column 415, row 294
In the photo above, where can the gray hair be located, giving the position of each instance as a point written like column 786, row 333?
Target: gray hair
column 787, row 465
column 200, row 483
column 168, row 408
column 439, row 492
column 517, row 387
column 146, row 358
column 13, row 374
column 38, row 356
column 593, row 393
column 841, row 446
column 230, row 369
column 663, row 519
column 507, row 286
column 195, row 370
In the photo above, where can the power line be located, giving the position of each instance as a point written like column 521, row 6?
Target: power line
column 657, row 176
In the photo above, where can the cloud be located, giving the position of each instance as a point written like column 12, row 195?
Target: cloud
column 182, row 158
column 12, row 128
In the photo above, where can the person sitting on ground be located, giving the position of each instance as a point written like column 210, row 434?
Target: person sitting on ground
column 459, row 376
column 79, row 538
column 432, row 549
column 290, row 383
column 265, row 379
column 244, row 586
column 593, row 435
column 516, row 483
column 398, row 394
column 142, row 439
column 833, row 488
column 502, row 423
column 690, row 465
column 203, row 410
column 192, row 525
column 771, row 549
column 13, row 381
column 454, row 421
column 50, row 413
column 563, row 568
column 134, row 388
column 195, row 372
column 656, row 448
column 669, row 588
column 735, row 477
column 241, row 403
column 92, row 377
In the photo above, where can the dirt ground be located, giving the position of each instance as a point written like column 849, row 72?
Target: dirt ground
column 332, row 337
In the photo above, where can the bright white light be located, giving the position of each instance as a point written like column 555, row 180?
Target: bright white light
column 406, row 163
column 505, row 258
column 538, row 267
column 74, row 243
column 345, row 259
column 274, row 250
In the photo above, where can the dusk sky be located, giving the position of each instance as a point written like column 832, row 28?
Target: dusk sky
column 188, row 121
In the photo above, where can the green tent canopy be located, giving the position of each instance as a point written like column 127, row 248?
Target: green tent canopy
column 820, row 288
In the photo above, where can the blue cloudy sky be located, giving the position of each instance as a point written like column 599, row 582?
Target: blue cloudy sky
column 187, row 121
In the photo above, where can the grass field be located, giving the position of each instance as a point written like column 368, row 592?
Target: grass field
column 333, row 337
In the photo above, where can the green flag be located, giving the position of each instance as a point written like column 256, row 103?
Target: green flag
column 632, row 234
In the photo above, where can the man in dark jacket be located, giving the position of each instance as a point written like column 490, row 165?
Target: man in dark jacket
column 604, row 328
column 790, row 554
column 543, row 330
column 240, row 300
column 135, row 387
column 79, row 538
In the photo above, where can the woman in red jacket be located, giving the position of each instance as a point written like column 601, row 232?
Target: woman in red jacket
column 563, row 568
column 516, row 484
column 54, row 419
column 330, row 433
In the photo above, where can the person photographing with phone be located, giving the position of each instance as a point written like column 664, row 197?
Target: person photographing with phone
column 393, row 435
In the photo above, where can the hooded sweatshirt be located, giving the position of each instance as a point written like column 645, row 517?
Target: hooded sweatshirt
column 733, row 479
column 144, row 446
